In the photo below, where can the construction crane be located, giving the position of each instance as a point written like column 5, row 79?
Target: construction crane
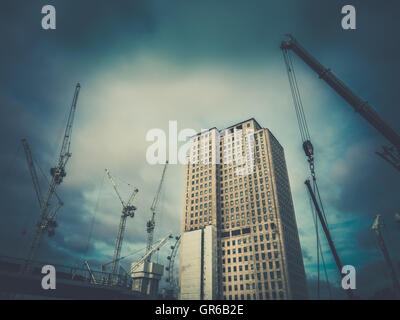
column 152, row 223
column 51, row 223
column 103, row 266
column 324, row 224
column 157, row 246
column 46, row 217
column 128, row 210
column 376, row 227
column 308, row 148
column 134, row 265
column 392, row 153
column 32, row 170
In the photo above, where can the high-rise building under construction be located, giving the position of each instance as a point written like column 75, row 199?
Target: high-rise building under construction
column 239, row 232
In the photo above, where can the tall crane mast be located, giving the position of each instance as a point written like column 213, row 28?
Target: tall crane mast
column 390, row 154
column 57, row 174
column 32, row 170
column 51, row 223
column 376, row 227
column 152, row 223
column 128, row 210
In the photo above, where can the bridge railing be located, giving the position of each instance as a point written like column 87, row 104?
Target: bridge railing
column 75, row 273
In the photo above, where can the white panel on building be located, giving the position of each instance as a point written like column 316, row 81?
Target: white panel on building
column 199, row 277
column 210, row 260
column 190, row 277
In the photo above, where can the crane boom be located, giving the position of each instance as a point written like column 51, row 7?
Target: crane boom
column 57, row 173
column 156, row 199
column 115, row 187
column 158, row 245
column 309, row 152
column 53, row 214
column 360, row 106
column 128, row 210
column 32, row 170
column 118, row 244
column 152, row 223
column 34, row 176
column 65, row 153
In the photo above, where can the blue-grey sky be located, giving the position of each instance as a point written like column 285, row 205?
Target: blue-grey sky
column 205, row 64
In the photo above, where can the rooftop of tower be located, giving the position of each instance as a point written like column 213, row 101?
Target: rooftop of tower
column 258, row 126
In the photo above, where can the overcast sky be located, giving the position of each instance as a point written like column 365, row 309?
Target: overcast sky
column 204, row 64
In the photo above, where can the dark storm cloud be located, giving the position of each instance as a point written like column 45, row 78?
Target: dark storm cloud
column 35, row 68
column 40, row 68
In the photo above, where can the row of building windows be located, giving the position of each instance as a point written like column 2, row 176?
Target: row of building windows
column 245, row 258
column 245, row 277
column 244, row 249
column 260, row 296
column 252, row 285
column 201, row 220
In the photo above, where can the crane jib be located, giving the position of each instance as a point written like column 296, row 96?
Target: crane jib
column 46, row 217
column 360, row 106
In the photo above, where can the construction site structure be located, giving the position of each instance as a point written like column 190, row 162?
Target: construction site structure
column 326, row 231
column 171, row 291
column 128, row 210
column 92, row 277
column 312, row 187
column 47, row 215
column 152, row 222
column 376, row 227
column 146, row 275
column 51, row 221
column 32, row 170
column 392, row 153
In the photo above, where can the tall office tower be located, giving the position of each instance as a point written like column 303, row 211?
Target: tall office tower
column 236, row 180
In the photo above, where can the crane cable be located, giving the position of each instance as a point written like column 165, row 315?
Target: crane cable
column 123, row 181
column 314, row 217
column 301, row 118
column 136, row 252
column 309, row 151
column 319, row 253
column 94, row 215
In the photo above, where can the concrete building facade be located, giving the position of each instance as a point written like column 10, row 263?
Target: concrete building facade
column 198, row 273
column 236, row 180
column 146, row 278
